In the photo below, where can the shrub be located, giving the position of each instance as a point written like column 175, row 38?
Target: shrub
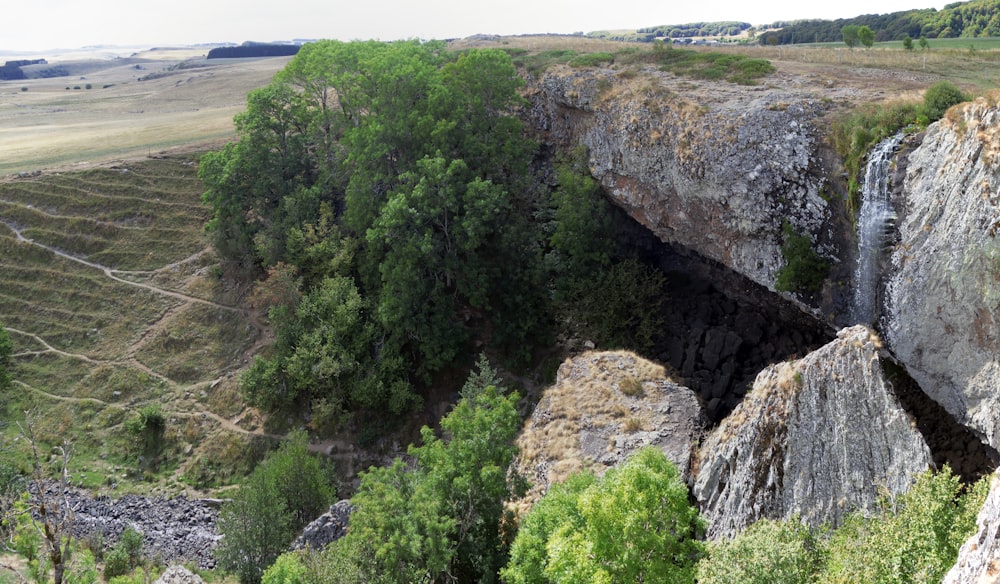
column 769, row 551
column 287, row 569
column 635, row 524
column 939, row 97
column 116, row 563
column 804, row 269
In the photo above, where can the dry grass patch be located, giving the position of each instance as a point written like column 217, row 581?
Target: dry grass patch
column 595, row 391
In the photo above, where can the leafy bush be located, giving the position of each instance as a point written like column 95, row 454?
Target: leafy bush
column 915, row 538
column 804, row 269
column 125, row 556
column 939, row 97
column 286, row 491
column 287, row 569
column 441, row 515
column 635, row 524
column 116, row 563
column 768, row 551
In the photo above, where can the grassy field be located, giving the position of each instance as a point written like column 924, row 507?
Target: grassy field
column 122, row 108
column 114, row 303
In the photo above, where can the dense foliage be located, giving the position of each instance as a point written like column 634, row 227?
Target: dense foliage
column 286, row 491
column 804, row 269
column 912, row 538
column 634, row 524
column 977, row 18
column 387, row 199
column 437, row 519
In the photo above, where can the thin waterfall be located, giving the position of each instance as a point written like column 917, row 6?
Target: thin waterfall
column 875, row 218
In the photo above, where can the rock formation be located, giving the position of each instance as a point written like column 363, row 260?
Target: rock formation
column 325, row 529
column 943, row 291
column 717, row 173
column 178, row 575
column 816, row 438
column 173, row 530
column 603, row 407
column 979, row 558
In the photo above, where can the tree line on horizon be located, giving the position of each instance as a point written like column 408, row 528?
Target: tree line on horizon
column 977, row 18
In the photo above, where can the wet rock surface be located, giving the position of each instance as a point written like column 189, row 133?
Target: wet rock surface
column 815, row 438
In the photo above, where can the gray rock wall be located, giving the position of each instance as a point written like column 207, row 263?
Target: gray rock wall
column 817, row 438
column 943, row 289
column 716, row 172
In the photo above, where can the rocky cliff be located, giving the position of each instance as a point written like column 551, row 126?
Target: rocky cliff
column 943, row 290
column 603, row 407
column 979, row 558
column 817, row 438
column 717, row 172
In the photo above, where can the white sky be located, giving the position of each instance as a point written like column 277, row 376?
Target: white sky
column 34, row 25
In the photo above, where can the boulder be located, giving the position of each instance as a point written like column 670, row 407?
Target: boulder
column 979, row 558
column 603, row 407
column 178, row 575
column 814, row 438
column 942, row 314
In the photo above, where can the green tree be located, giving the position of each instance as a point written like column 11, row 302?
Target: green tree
column 924, row 45
column 438, row 520
column 907, row 43
column 635, row 524
column 768, row 551
column 850, row 34
column 286, row 491
column 866, row 36
column 914, row 538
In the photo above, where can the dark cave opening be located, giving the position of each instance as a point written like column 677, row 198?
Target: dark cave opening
column 721, row 328
column 949, row 442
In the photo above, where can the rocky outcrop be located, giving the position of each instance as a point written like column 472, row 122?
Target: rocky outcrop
column 717, row 172
column 943, row 290
column 174, row 530
column 325, row 529
column 178, row 575
column 814, row 438
column 603, row 407
column 979, row 558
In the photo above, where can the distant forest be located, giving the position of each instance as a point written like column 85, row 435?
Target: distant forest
column 675, row 31
column 978, row 18
column 253, row 50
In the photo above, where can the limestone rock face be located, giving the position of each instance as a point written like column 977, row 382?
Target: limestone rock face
column 943, row 289
column 817, row 438
column 716, row 173
column 979, row 558
column 603, row 407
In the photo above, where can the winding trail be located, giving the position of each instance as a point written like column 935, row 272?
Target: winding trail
column 129, row 358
